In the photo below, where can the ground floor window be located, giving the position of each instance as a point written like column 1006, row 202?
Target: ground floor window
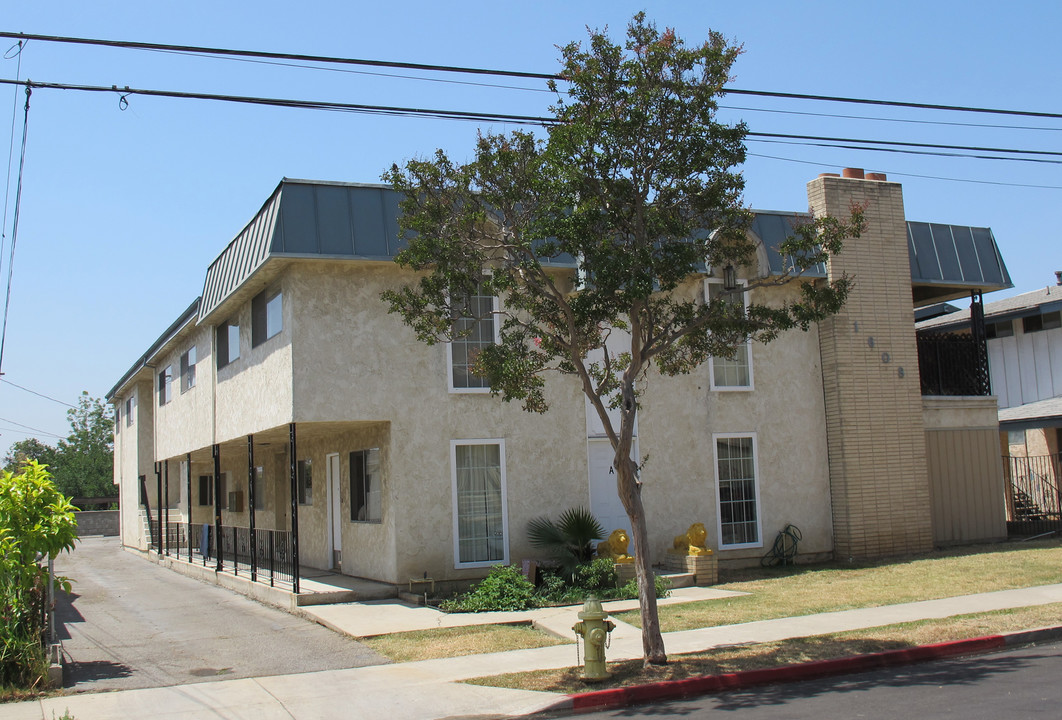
column 365, row 486
column 480, row 519
column 206, row 490
column 304, row 478
column 736, row 483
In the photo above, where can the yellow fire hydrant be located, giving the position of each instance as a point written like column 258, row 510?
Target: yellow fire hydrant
column 593, row 628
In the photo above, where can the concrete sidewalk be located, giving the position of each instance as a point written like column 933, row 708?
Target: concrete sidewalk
column 431, row 689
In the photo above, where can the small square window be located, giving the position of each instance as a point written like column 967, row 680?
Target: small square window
column 999, row 329
column 304, row 476
column 1052, row 320
column 1034, row 323
column 188, row 360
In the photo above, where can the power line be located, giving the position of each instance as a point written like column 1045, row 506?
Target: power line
column 125, row 92
column 856, row 143
column 430, row 67
column 900, row 174
column 37, row 430
column 34, row 392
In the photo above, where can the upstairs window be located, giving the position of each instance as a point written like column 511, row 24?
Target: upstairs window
column 166, row 385
column 1038, row 323
column 130, row 406
column 228, row 342
column 474, row 329
column 999, row 329
column 267, row 317
column 188, row 360
column 117, row 418
column 731, row 373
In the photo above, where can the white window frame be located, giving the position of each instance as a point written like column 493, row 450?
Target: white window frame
column 504, row 559
column 748, row 344
column 756, row 489
column 130, row 409
column 495, row 305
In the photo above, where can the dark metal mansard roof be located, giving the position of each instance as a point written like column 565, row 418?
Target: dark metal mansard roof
column 347, row 220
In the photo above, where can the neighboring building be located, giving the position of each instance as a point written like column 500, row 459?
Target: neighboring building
column 289, row 381
column 1024, row 341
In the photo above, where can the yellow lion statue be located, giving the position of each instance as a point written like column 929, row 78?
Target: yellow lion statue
column 692, row 542
column 615, row 547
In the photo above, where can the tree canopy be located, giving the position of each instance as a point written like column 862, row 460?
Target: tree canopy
column 82, row 463
column 595, row 230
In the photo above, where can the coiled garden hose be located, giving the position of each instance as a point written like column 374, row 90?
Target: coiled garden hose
column 784, row 550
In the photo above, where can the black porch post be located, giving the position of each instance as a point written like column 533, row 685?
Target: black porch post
column 158, row 500
column 164, row 508
column 977, row 329
column 251, row 505
column 294, row 467
column 217, row 506
column 188, row 479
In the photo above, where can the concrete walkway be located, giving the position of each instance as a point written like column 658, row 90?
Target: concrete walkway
column 431, row 689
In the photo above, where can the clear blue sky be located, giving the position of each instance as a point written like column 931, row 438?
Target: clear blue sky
column 122, row 211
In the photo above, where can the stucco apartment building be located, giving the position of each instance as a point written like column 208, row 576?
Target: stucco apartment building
column 392, row 461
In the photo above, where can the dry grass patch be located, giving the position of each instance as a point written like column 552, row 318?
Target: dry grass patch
column 458, row 641
column 786, row 652
column 807, row 590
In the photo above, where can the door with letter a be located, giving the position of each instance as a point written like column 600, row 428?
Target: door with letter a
column 604, row 498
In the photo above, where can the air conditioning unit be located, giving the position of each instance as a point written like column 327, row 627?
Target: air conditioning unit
column 236, row 501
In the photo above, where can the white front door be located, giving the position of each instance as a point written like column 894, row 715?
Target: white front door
column 605, row 503
column 335, row 512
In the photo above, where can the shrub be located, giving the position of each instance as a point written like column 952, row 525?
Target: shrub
column 570, row 540
column 504, row 588
column 36, row 520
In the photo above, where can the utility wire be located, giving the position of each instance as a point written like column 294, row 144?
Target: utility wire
column 10, row 147
column 38, row 430
column 856, row 143
column 125, row 92
column 34, row 392
column 900, row 174
column 14, row 225
column 501, row 73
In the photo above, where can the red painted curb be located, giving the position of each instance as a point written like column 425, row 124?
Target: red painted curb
column 670, row 689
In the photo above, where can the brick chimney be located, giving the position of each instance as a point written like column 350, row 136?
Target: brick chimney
column 874, row 417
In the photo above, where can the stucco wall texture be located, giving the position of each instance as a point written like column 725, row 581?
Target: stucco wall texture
column 839, row 436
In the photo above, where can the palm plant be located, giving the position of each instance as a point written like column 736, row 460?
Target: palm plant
column 570, row 540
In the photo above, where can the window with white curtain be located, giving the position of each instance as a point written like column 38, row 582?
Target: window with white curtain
column 480, row 517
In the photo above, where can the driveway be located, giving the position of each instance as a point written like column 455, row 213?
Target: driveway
column 129, row 623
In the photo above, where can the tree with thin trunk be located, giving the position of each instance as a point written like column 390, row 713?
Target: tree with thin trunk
column 593, row 233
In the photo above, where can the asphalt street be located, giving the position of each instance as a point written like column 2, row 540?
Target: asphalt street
column 129, row 623
column 1021, row 683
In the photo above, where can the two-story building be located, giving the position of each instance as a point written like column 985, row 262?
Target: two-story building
column 288, row 414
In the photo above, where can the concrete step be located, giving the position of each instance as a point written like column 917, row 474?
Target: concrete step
column 679, row 580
